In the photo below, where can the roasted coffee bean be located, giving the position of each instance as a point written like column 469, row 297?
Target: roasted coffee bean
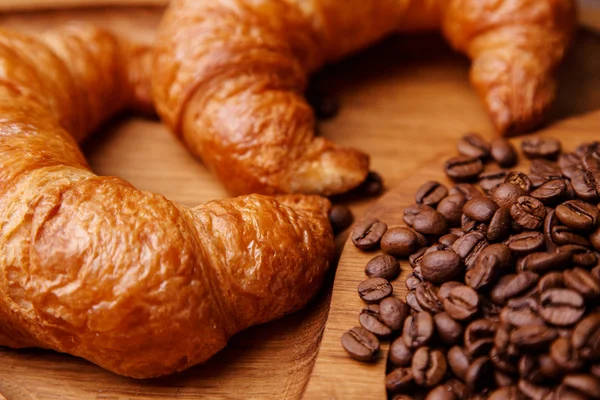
column 544, row 262
column 469, row 247
column 449, row 330
column 550, row 192
column 455, row 386
column 479, row 337
column 448, row 240
column 570, row 193
column 372, row 185
column 441, row 266
column 402, row 242
column 537, row 181
column 506, row 393
column 520, row 314
column 412, row 302
column 506, row 194
column 551, row 280
column 503, row 380
column 399, row 380
column 426, row 295
column 429, row 366
column 459, row 361
column 340, row 218
column 473, row 145
column 580, row 255
column 548, row 366
column 418, row 330
column 578, row 215
column 489, row 180
column 532, row 337
column 441, row 393
column 400, row 355
column 360, row 344
column 591, row 162
column 550, row 222
column 542, row 167
column 537, row 147
column 583, row 383
column 431, row 193
column 565, row 355
column 463, row 168
column 480, row 209
column 480, row 374
column 445, row 289
column 499, row 227
column 469, row 225
column 529, row 369
column 568, row 164
column 373, row 290
column 583, row 282
column 393, row 312
column 383, row 266
column 586, row 337
column 370, row 319
column 511, row 286
column 451, row 208
column 462, row 303
column 411, row 211
column 587, row 148
column 466, row 189
column 528, row 212
column 493, row 261
column 532, row 391
column 503, row 152
column 587, row 185
column 562, row 236
column 526, row 243
column 519, row 179
column 412, row 281
column 430, row 223
column 367, row 234
column 415, row 259
column 561, row 307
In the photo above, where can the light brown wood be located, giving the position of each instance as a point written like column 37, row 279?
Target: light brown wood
column 404, row 102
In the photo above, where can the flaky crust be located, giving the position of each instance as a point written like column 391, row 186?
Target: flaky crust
column 229, row 76
column 93, row 267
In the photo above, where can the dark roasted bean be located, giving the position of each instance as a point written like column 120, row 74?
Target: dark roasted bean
column 489, row 180
column 340, row 217
column 415, row 259
column 565, row 355
column 383, row 266
column 503, row 152
column 562, row 236
column 581, row 255
column 463, row 168
column 528, row 212
column 561, row 307
column 399, row 380
column 411, row 211
column 520, row 314
column 526, row 243
column 499, row 227
column 480, row 209
column 543, row 167
column 370, row 319
column 473, row 145
column 587, row 185
column 591, row 162
column 367, row 234
column 519, row 179
column 532, row 337
column 427, row 298
column 393, row 312
column 537, row 147
column 418, row 330
column 430, row 223
column 373, row 290
column 431, row 193
column 469, row 247
column 448, row 240
column 544, row 262
column 550, row 192
column 449, row 330
column 462, row 303
column 429, row 366
column 400, row 355
column 360, row 344
column 479, row 337
column 445, row 289
column 459, row 361
column 371, row 186
column 568, row 164
column 578, row 215
column 402, row 242
column 441, row 266
column 451, row 208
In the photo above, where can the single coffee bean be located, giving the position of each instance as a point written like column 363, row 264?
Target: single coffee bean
column 562, row 236
column 430, row 223
column 499, row 227
column 537, row 147
column 489, row 180
column 370, row 319
column 520, row 314
column 544, row 262
column 412, row 281
column 418, row 330
column 426, row 295
column 449, row 330
column 431, row 193
column 469, row 247
column 587, row 185
column 568, row 164
column 448, row 240
column 550, row 192
column 473, row 145
column 444, row 290
column 532, row 337
column 399, row 380
column 429, row 366
column 591, row 162
column 441, row 393
column 360, row 344
column 469, row 225
column 506, row 393
column 583, row 383
column 581, row 255
column 455, row 386
column 561, row 307
column 548, row 367
column 441, row 266
column 479, row 337
column 519, row 179
column 400, row 355
column 526, row 243
column 340, row 218
column 459, row 361
column 411, row 211
column 586, row 337
column 451, row 208
column 529, row 213
column 462, row 303
column 367, row 234
column 383, row 266
column 415, row 259
column 565, row 355
column 463, row 168
column 480, row 209
column 520, row 284
column 373, row 290
column 506, row 194
column 583, row 282
column 503, row 152
column 412, row 302
column 551, row 280
column 372, row 185
column 537, row 180
column 480, row 374
column 578, row 215
column 402, row 242
column 393, row 312
column 543, row 167
column 466, row 189
column 587, row 148
column 529, row 369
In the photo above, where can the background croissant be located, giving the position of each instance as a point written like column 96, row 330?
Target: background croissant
column 229, row 76
column 92, row 266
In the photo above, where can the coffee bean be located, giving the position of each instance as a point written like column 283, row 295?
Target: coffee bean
column 528, row 212
column 431, row 193
column 583, row 383
column 451, row 208
column 402, row 242
column 565, row 355
column 399, row 380
column 400, row 355
column 537, row 180
column 586, row 337
column 448, row 330
column 383, row 266
column 448, row 240
column 591, row 162
column 360, row 344
column 463, row 168
column 480, row 209
column 568, row 164
column 430, row 223
column 551, row 280
column 520, row 314
column 587, row 148
column 581, row 255
column 418, row 330
column 532, row 391
column 537, row 147
column 479, row 337
column 469, row 247
column 548, row 367
column 412, row 302
column 505, row 393
column 544, row 262
column 526, row 243
column 561, row 307
column 473, row 145
column 550, row 192
column 412, row 281
column 462, row 303
column 441, row 393
column 429, row 366
column 583, row 282
column 411, row 211
column 532, row 337
column 587, row 185
column 480, row 374
column 489, row 180
column 542, row 167
column 503, row 152
column 493, row 261
column 340, row 218
column 503, row 380
column 370, row 320
column 393, row 312
column 415, row 259
column 367, row 234
column 373, row 290
column 519, row 179
column 562, row 236
column 441, row 266
column 458, row 361
column 578, row 215
column 426, row 295
column 499, row 227
column 466, row 189
column 444, row 290
column 372, row 185
column 529, row 369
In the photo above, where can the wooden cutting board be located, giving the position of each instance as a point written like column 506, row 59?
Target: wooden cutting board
column 404, row 102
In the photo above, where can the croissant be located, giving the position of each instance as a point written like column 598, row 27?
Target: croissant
column 126, row 279
column 229, row 76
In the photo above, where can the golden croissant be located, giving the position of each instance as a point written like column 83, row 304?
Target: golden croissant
column 229, row 76
column 126, row 279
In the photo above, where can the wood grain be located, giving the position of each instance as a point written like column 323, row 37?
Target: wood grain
column 404, row 101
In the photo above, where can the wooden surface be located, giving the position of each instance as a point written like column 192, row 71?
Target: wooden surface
column 404, row 102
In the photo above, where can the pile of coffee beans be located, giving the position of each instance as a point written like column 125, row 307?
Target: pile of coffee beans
column 505, row 282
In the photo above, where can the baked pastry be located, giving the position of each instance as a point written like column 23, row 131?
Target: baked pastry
column 93, row 267
column 229, row 76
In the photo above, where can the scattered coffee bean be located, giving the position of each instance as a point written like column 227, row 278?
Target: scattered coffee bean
column 360, row 344
column 480, row 209
column 399, row 354
column 448, row 330
column 372, row 185
column 561, row 307
column 383, row 266
column 550, row 192
column 462, row 303
column 528, row 212
column 503, row 153
column 473, row 145
column 401, row 242
column 519, row 179
column 427, row 298
column 537, row 147
column 441, row 266
column 587, row 184
column 451, row 208
column 568, row 164
column 367, row 234
column 489, row 180
column 463, row 168
column 431, row 193
column 411, row 211
column 429, row 366
column 399, row 380
column 393, row 312
column 418, row 330
column 469, row 247
column 430, row 223
column 373, row 290
column 578, row 215
column 544, row 262
column 370, row 319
